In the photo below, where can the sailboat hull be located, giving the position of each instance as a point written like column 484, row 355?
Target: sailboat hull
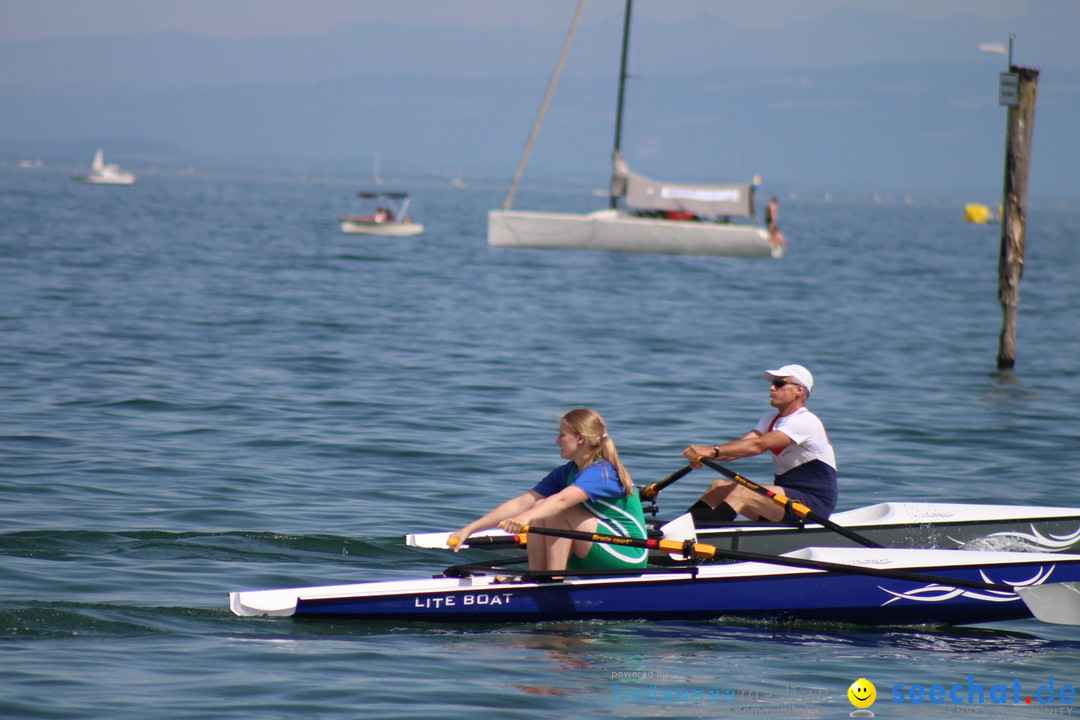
column 111, row 178
column 102, row 174
column 623, row 232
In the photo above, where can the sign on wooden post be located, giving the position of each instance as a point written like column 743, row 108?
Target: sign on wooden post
column 1009, row 89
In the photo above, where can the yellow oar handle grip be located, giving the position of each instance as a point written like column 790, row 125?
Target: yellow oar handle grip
column 674, row 546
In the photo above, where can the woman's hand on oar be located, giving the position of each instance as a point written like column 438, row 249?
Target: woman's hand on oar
column 651, row 491
column 783, row 501
column 457, row 540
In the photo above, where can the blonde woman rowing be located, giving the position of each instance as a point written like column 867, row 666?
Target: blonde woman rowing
column 592, row 493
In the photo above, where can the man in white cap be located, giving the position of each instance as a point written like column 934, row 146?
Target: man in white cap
column 803, row 459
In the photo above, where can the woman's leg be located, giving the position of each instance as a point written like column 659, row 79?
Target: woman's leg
column 552, row 553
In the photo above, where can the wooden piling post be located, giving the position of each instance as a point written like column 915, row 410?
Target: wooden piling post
column 1018, row 135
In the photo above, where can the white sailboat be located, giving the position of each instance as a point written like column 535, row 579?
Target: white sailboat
column 102, row 174
column 653, row 216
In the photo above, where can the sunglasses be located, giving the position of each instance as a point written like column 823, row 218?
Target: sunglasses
column 778, row 383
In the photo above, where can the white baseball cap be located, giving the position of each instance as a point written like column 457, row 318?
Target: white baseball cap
column 800, row 374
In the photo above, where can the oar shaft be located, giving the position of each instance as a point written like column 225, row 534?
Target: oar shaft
column 651, row 491
column 797, row 507
column 669, row 546
column 709, row 551
column 747, row 556
column 781, row 499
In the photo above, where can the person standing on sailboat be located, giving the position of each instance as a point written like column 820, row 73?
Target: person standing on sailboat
column 772, row 221
column 803, row 459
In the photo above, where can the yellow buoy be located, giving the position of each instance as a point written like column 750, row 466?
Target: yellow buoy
column 975, row 213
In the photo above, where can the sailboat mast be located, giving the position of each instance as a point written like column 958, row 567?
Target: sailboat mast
column 509, row 199
column 622, row 84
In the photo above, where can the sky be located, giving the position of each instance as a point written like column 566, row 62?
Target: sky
column 60, row 55
column 27, row 20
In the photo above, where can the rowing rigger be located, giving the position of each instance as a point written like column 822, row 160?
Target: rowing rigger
column 891, row 524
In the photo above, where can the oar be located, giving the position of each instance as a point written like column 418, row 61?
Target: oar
column 685, row 548
column 796, row 507
column 437, row 541
column 1057, row 603
column 680, row 527
column 651, row 491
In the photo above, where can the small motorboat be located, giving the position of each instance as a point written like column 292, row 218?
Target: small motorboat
column 102, row 174
column 865, row 586
column 390, row 216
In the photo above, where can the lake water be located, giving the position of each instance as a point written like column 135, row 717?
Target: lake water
column 205, row 387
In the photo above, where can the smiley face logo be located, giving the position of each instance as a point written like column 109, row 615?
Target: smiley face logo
column 862, row 693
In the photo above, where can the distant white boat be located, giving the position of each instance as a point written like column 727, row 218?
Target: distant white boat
column 459, row 181
column 376, row 174
column 390, row 217
column 102, row 174
column 654, row 217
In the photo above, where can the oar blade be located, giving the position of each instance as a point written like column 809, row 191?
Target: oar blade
column 427, row 540
column 438, row 541
column 1057, row 603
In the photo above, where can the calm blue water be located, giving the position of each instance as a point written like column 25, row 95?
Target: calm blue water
column 205, row 387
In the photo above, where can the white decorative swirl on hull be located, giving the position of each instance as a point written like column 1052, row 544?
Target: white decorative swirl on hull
column 936, row 592
column 1016, row 540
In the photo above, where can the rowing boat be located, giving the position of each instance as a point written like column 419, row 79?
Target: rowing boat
column 890, row 524
column 867, row 586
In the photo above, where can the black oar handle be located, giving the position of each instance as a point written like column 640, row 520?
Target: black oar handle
column 650, row 491
column 486, row 540
column 797, row 507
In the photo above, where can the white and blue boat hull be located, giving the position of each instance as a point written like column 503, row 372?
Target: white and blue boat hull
column 754, row 590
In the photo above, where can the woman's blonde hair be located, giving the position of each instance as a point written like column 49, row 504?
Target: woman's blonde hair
column 588, row 423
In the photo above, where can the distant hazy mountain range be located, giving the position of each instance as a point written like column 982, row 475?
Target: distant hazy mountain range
column 903, row 126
